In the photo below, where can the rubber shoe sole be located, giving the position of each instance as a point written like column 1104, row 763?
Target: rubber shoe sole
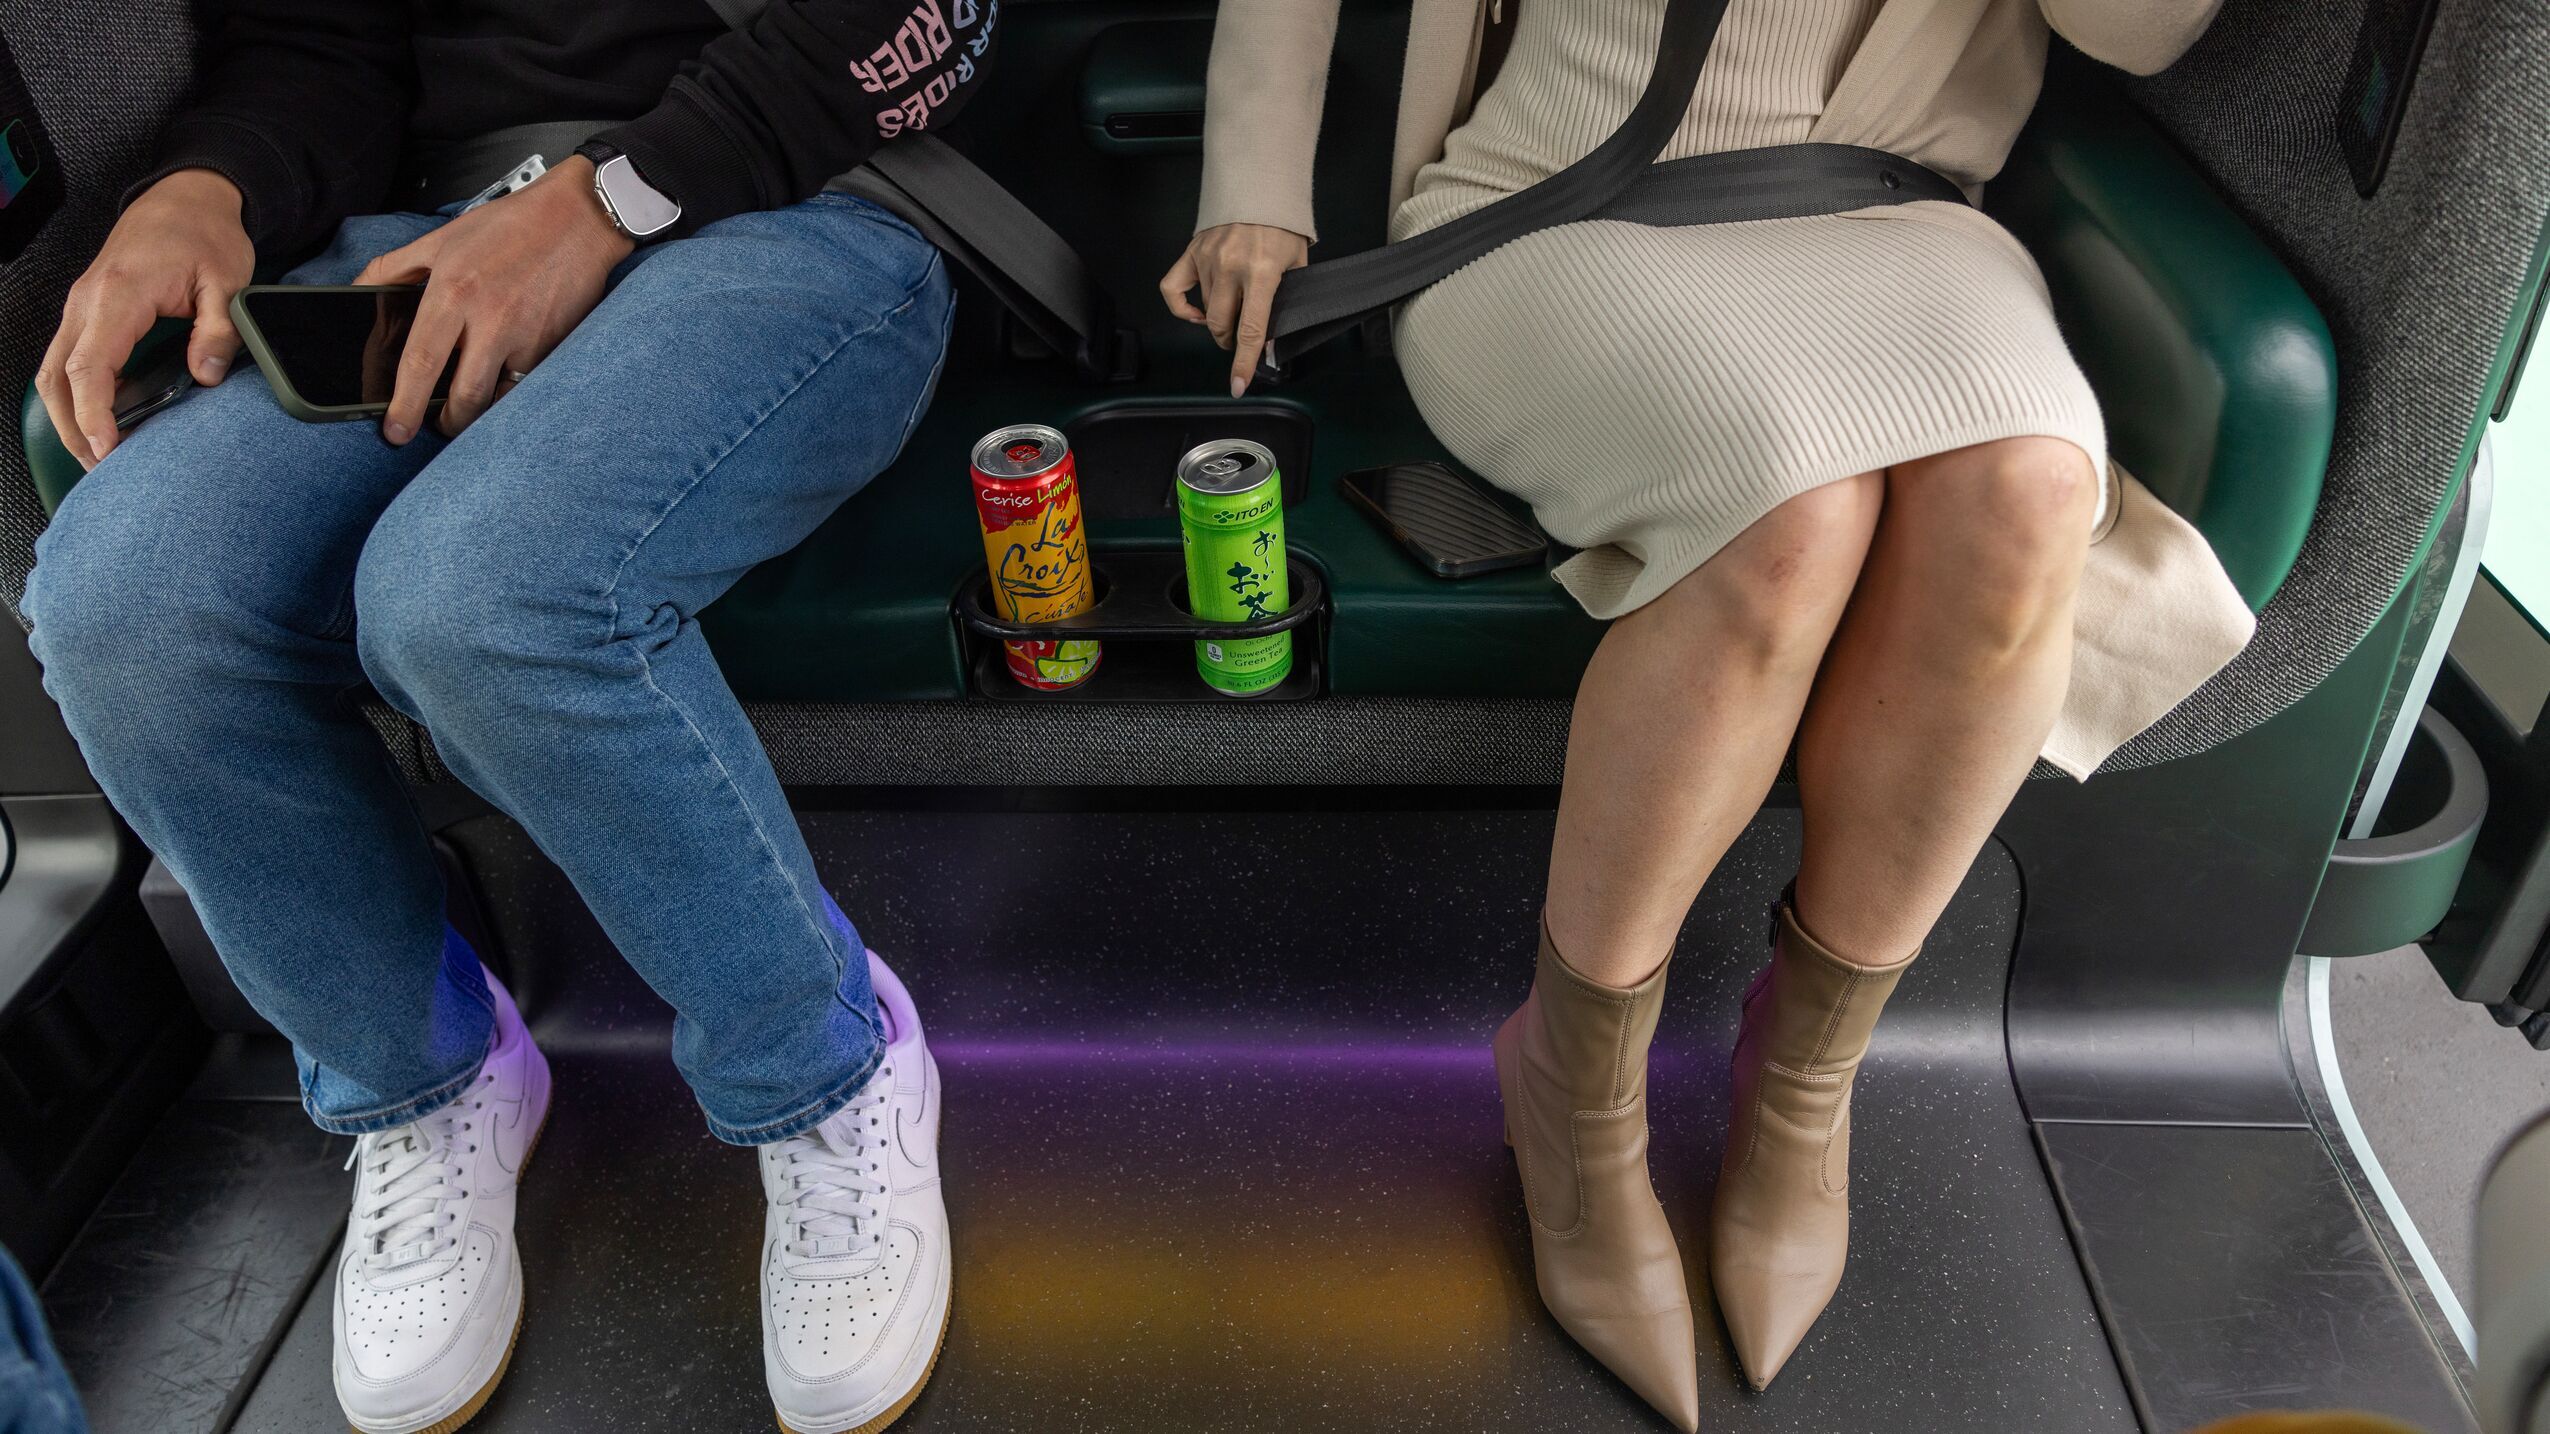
column 452, row 1422
column 900, row 1405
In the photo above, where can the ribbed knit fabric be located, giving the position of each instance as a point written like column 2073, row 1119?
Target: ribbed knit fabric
column 1654, row 391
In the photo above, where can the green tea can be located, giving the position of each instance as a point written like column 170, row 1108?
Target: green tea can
column 1231, row 513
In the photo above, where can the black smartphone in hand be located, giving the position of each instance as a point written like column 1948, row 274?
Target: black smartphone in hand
column 330, row 352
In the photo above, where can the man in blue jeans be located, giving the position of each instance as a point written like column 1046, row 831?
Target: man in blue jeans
column 640, row 410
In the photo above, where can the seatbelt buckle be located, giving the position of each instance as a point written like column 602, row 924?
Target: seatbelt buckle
column 519, row 177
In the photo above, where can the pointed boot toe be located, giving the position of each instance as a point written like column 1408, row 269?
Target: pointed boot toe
column 1572, row 1068
column 1657, row 1356
column 1768, row 1322
column 1779, row 1225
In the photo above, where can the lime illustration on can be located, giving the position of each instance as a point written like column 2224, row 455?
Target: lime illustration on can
column 1231, row 514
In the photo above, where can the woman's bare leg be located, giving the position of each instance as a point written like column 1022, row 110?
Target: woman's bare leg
column 1681, row 722
column 1940, row 687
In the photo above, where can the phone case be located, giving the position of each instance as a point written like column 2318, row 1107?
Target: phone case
column 284, row 394
column 1447, row 520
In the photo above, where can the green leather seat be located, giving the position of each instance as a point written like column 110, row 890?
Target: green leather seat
column 2217, row 373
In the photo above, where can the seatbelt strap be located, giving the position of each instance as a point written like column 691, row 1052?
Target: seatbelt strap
column 1785, row 181
column 738, row 14
column 1034, row 271
column 1618, row 179
column 1319, row 302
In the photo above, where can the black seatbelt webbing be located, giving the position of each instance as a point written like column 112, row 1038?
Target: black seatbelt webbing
column 1318, row 302
column 1617, row 179
column 738, row 14
column 969, row 215
column 1036, row 273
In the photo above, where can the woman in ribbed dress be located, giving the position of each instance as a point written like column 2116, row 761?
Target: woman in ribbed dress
column 1839, row 486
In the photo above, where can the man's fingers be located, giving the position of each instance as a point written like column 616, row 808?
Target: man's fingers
column 96, row 361
column 475, row 382
column 215, row 341
column 1250, row 341
column 1173, row 288
column 420, row 367
column 55, row 389
column 409, row 263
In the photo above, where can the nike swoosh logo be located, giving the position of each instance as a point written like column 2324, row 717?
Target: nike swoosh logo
column 904, row 1124
column 510, row 1136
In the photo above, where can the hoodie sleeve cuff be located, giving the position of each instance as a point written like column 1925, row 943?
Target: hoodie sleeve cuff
column 271, row 197
column 680, row 148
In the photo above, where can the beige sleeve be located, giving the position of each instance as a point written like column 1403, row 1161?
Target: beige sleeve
column 2141, row 36
column 1262, row 97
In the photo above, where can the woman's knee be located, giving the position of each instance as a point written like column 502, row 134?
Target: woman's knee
column 2034, row 497
column 1777, row 590
column 2010, row 519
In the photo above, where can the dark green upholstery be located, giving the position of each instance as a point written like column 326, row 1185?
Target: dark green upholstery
column 49, row 464
column 2216, row 371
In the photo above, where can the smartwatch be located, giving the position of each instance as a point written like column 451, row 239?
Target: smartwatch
column 637, row 209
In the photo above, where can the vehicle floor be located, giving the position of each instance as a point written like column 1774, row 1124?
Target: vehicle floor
column 1221, row 1143
column 2440, row 1088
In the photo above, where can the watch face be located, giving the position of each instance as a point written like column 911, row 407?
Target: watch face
column 641, row 208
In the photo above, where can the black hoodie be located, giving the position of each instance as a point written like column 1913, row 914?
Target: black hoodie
column 309, row 105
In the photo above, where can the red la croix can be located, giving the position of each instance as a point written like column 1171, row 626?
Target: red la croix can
column 1027, row 499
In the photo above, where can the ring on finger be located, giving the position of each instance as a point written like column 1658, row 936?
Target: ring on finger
column 515, row 375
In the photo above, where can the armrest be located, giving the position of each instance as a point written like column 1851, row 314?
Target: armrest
column 2216, row 372
column 49, row 464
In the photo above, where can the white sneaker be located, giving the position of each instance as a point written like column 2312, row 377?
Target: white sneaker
column 854, row 1257
column 428, row 1292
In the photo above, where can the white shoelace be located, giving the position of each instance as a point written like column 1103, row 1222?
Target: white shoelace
column 832, row 1176
column 409, row 1173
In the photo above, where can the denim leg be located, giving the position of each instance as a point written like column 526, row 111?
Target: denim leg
column 532, row 599
column 35, row 1391
column 193, row 608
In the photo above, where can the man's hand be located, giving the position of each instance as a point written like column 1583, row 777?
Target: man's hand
column 178, row 251
column 1237, row 266
column 504, row 284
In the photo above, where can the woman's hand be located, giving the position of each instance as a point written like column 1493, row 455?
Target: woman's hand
column 179, row 251
column 504, row 284
column 1237, row 266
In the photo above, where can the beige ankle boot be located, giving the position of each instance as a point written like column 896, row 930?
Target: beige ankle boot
column 1572, row 1066
column 1780, row 1225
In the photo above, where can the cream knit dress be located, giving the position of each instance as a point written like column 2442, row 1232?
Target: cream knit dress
column 1653, row 391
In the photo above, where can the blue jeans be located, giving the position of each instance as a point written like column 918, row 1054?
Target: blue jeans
column 35, row 1394
column 210, row 602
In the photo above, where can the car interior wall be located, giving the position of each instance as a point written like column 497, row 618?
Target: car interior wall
column 2419, row 284
column 105, row 75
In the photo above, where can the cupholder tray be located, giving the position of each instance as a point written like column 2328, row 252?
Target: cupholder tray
column 1142, row 617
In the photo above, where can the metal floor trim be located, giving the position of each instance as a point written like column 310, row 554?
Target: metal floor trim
column 2333, row 1089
